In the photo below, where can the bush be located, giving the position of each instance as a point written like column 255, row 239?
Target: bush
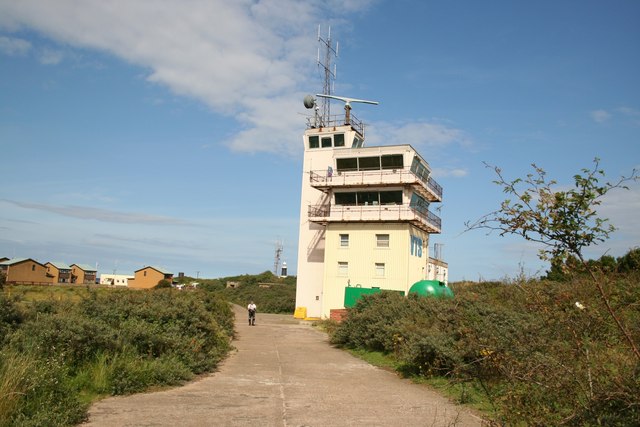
column 110, row 342
column 540, row 358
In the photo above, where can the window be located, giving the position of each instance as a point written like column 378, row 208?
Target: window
column 357, row 142
column 343, row 268
column 145, row 273
column 326, row 142
column 346, row 199
column 314, row 142
column 391, row 197
column 367, row 198
column 392, row 161
column 419, row 204
column 369, row 163
column 382, row 240
column 379, row 269
column 350, row 164
column 338, row 140
column 344, row 240
column 33, row 268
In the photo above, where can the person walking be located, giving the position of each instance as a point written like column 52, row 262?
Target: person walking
column 251, row 308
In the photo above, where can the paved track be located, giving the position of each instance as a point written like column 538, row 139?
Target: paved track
column 284, row 373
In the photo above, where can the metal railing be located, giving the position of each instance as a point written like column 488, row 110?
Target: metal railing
column 357, row 213
column 335, row 120
column 369, row 177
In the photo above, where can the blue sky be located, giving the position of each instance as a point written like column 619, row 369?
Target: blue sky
column 170, row 133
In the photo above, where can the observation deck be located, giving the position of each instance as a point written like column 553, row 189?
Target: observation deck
column 420, row 218
column 324, row 181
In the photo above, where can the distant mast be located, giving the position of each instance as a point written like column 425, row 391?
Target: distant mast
column 329, row 74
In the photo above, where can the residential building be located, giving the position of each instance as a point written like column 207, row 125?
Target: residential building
column 115, row 279
column 24, row 271
column 58, row 272
column 83, row 274
column 365, row 217
column 148, row 277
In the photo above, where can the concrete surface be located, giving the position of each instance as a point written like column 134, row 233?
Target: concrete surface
column 284, row 373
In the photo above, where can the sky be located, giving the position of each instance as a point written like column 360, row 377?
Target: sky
column 169, row 133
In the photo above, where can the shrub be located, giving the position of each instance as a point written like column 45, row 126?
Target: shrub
column 540, row 358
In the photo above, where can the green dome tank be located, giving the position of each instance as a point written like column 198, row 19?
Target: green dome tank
column 431, row 288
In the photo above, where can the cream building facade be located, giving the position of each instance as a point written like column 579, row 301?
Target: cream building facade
column 364, row 216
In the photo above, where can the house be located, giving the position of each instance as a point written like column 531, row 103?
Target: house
column 115, row 279
column 24, row 271
column 58, row 272
column 365, row 215
column 83, row 274
column 148, row 277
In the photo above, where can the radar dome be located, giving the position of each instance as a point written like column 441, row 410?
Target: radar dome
column 309, row 101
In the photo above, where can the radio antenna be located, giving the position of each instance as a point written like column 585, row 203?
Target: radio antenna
column 329, row 74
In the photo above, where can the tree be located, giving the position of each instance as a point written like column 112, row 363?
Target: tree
column 564, row 222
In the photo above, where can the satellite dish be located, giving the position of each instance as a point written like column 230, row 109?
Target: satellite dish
column 309, row 101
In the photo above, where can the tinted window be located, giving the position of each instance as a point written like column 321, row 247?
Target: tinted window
column 338, row 140
column 347, row 164
column 368, row 163
column 393, row 161
column 345, row 198
column 314, row 142
column 368, row 198
column 391, row 197
column 326, row 142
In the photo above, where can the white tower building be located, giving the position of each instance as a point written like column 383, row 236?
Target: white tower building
column 364, row 213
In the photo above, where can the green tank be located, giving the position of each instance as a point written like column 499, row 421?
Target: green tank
column 431, row 288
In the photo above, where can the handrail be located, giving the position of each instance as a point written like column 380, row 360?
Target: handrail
column 336, row 120
column 334, row 177
column 374, row 213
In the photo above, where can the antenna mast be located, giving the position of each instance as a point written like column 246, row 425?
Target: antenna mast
column 276, row 262
column 329, row 74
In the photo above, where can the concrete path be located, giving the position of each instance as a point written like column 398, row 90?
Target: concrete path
column 284, row 373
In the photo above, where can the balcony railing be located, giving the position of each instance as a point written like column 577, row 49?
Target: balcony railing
column 421, row 218
column 325, row 179
column 336, row 120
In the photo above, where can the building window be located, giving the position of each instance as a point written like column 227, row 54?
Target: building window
column 314, row 142
column 343, row 268
column 145, row 274
column 382, row 240
column 419, row 204
column 346, row 199
column 349, row 164
column 338, row 140
column 392, row 161
column 391, row 197
column 369, row 163
column 33, row 268
column 326, row 142
column 379, row 269
column 344, row 240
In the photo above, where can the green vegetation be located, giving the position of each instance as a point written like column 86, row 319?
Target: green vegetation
column 270, row 293
column 524, row 349
column 59, row 350
column 564, row 222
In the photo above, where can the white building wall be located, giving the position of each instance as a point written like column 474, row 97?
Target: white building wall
column 115, row 279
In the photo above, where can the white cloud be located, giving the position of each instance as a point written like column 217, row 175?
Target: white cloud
column 450, row 172
column 246, row 59
column 103, row 215
column 420, row 134
column 600, row 116
column 631, row 113
column 51, row 57
column 14, row 46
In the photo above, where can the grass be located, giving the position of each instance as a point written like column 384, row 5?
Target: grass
column 465, row 393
